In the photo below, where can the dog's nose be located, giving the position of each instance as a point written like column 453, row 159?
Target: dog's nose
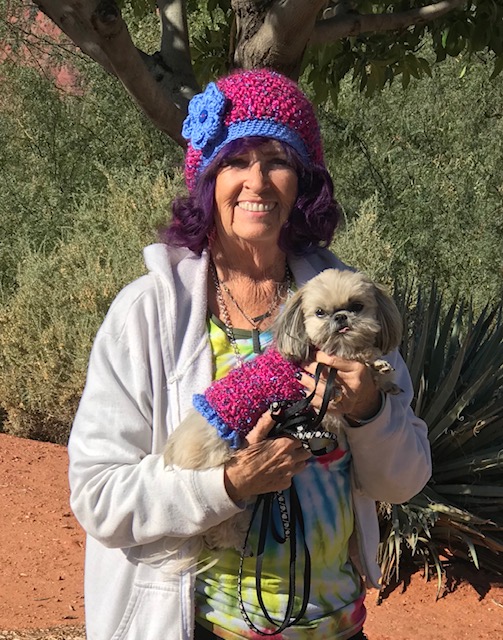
column 340, row 317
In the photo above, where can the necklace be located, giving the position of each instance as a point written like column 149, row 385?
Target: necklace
column 255, row 322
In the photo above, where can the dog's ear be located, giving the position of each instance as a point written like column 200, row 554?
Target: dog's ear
column 289, row 331
column 390, row 319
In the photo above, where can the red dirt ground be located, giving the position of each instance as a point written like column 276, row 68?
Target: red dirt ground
column 43, row 548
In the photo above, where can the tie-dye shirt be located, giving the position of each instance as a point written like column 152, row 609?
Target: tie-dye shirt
column 335, row 610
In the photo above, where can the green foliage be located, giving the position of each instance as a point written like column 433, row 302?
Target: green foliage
column 456, row 365
column 375, row 60
column 143, row 23
column 61, row 297
column 211, row 39
column 361, row 243
column 431, row 160
column 372, row 61
column 50, row 157
column 210, row 25
column 84, row 183
column 138, row 8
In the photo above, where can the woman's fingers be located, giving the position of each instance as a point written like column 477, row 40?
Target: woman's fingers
column 356, row 395
column 261, row 430
column 264, row 466
column 317, row 389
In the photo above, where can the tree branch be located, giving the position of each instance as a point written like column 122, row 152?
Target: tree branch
column 147, row 91
column 175, row 50
column 292, row 18
column 97, row 28
column 336, row 28
column 74, row 26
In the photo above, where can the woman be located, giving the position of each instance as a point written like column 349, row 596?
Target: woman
column 259, row 212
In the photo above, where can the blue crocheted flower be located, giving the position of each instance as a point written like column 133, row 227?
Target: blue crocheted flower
column 205, row 121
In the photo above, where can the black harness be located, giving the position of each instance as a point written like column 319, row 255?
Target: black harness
column 301, row 421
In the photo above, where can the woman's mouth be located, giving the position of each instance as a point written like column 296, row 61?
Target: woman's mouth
column 255, row 207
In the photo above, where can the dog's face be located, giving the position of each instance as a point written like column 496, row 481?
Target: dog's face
column 341, row 313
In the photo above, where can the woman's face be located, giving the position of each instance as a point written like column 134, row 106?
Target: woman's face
column 255, row 191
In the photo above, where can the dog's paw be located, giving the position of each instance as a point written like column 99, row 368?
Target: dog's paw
column 383, row 374
column 391, row 388
column 382, row 366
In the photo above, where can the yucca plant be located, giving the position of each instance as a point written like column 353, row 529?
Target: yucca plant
column 456, row 364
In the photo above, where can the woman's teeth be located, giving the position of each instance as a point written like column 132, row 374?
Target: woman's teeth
column 256, row 206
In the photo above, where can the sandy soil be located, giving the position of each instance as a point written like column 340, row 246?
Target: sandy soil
column 43, row 553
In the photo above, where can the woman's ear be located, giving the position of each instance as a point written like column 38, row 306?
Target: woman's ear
column 390, row 319
column 289, row 331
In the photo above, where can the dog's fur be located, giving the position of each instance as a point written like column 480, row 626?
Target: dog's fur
column 342, row 313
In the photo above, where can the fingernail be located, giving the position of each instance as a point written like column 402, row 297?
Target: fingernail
column 303, row 393
column 298, row 375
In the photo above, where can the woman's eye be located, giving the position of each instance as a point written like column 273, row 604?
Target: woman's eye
column 238, row 163
column 356, row 307
column 280, row 160
column 279, row 163
column 320, row 313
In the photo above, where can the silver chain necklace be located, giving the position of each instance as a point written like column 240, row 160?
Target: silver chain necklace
column 255, row 322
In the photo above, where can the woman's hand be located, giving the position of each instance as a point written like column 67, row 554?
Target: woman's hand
column 264, row 464
column 359, row 397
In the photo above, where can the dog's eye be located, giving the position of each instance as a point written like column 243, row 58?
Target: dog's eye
column 356, row 307
column 320, row 313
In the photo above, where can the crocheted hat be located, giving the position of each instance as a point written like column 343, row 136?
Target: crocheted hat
column 249, row 103
column 234, row 403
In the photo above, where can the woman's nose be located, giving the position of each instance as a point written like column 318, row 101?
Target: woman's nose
column 257, row 177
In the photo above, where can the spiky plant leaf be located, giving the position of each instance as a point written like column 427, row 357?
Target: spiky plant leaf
column 456, row 366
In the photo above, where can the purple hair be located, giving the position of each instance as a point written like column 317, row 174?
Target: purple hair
column 312, row 222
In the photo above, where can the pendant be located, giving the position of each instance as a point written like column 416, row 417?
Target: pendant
column 258, row 319
column 256, row 341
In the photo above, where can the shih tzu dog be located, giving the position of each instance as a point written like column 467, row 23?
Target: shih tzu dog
column 345, row 314
column 340, row 312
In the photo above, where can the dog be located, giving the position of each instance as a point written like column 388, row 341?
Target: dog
column 340, row 312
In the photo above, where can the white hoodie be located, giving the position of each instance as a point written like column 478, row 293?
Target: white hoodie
column 150, row 356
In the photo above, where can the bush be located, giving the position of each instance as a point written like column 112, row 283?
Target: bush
column 85, row 180
column 53, row 158
column 456, row 364
column 432, row 160
column 361, row 243
column 61, row 297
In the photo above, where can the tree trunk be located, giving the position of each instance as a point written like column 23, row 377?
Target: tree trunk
column 274, row 34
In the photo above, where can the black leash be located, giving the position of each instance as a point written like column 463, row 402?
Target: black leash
column 299, row 420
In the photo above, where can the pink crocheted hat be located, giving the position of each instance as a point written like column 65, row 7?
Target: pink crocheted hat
column 249, row 103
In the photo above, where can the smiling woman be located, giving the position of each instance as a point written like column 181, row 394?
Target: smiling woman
column 254, row 195
column 254, row 227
